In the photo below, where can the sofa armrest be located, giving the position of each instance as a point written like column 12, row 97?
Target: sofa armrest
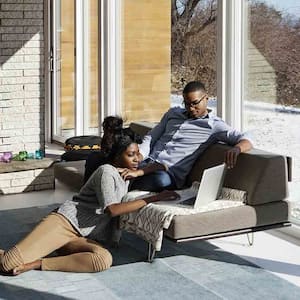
column 262, row 174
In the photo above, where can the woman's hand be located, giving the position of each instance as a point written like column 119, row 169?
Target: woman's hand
column 162, row 196
column 118, row 209
column 167, row 196
column 129, row 174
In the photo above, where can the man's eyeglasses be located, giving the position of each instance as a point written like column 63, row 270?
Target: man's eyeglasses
column 194, row 103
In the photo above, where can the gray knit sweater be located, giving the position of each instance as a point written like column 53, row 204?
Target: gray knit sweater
column 86, row 210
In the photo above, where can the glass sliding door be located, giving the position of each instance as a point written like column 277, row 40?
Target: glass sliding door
column 75, row 79
column 63, row 94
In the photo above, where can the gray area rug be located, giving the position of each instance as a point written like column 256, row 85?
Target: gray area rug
column 193, row 270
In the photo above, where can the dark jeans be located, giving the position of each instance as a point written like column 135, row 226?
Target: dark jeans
column 154, row 182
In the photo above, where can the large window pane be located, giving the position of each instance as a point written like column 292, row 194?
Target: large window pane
column 65, row 72
column 194, row 45
column 272, row 85
column 76, row 69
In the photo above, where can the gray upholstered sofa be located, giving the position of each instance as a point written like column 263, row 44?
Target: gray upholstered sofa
column 263, row 175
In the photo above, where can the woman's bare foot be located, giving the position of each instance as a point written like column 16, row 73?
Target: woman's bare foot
column 1, row 254
column 35, row 265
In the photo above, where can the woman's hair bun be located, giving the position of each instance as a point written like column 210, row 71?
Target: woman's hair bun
column 136, row 138
column 112, row 124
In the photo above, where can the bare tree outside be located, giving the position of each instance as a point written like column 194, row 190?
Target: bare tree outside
column 194, row 43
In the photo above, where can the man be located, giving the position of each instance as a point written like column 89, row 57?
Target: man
column 170, row 149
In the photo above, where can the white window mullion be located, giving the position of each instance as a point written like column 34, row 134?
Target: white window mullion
column 86, row 63
column 79, row 69
column 230, row 60
column 221, row 59
column 56, row 60
column 111, row 63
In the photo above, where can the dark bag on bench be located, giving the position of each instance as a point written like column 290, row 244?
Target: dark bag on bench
column 79, row 147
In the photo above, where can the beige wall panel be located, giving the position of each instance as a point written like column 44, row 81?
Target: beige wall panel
column 146, row 59
column 93, row 63
column 67, row 65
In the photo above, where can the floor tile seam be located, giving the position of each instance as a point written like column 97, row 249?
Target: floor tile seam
column 203, row 286
column 93, row 292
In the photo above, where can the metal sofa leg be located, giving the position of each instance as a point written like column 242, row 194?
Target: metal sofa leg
column 151, row 253
column 250, row 238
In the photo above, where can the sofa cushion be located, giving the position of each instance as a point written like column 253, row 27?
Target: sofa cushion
column 221, row 221
column 263, row 175
column 70, row 173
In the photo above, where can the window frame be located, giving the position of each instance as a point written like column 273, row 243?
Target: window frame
column 81, row 57
column 111, row 59
column 231, row 37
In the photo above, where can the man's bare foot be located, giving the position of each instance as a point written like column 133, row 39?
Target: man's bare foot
column 35, row 265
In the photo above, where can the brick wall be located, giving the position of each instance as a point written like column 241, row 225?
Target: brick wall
column 26, row 181
column 21, row 75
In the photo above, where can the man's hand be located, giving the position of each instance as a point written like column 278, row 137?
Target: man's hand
column 129, row 174
column 231, row 156
column 162, row 196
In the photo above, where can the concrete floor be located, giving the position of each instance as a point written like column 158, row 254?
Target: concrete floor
column 270, row 251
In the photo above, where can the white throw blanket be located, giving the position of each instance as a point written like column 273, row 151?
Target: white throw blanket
column 150, row 221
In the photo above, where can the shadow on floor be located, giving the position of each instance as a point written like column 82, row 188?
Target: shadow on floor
column 16, row 223
column 14, row 292
column 190, row 270
column 276, row 266
column 134, row 249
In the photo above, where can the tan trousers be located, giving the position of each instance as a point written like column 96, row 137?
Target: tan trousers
column 78, row 254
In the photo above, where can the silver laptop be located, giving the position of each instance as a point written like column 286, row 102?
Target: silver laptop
column 209, row 188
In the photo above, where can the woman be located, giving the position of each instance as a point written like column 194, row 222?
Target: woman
column 77, row 226
column 111, row 126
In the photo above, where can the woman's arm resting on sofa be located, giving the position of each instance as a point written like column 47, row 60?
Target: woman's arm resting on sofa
column 149, row 168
